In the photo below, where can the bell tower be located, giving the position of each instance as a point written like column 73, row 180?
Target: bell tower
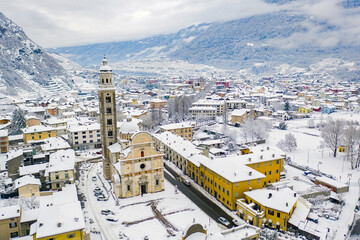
column 107, row 107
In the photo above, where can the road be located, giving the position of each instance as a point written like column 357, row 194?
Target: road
column 210, row 208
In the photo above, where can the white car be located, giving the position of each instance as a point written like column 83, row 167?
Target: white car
column 112, row 218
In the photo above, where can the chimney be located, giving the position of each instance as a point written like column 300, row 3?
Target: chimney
column 249, row 159
column 267, row 148
column 261, row 157
column 59, row 224
column 294, row 194
column 287, row 204
column 270, row 195
column 273, row 155
column 250, row 173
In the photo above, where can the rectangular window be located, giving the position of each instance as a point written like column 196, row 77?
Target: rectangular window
column 258, row 165
column 108, row 121
column 66, row 175
column 236, row 194
column 270, row 172
column 75, row 133
column 128, row 187
column 270, row 163
column 110, row 133
column 259, row 180
column 108, row 110
column 278, row 214
column 84, row 141
column 265, row 164
column 228, row 193
column 156, row 182
column 98, row 135
column 56, row 176
column 14, row 234
column 13, row 225
column 237, row 184
column 90, row 136
column 108, row 99
column 76, row 142
column 271, row 212
column 248, row 182
column 277, row 170
column 277, row 161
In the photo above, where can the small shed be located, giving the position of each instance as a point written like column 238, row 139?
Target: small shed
column 334, row 185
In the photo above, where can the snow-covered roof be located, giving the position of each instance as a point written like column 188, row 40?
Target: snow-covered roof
column 61, row 160
column 80, row 128
column 32, row 169
column 58, row 219
column 115, row 148
column 9, row 212
column 239, row 112
column 231, row 170
column 54, row 143
column 3, row 133
column 30, row 215
column 36, row 129
column 26, row 180
column 331, row 182
column 177, row 125
column 202, row 109
column 281, row 200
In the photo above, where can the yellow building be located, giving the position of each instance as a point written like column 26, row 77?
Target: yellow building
column 35, row 133
column 4, row 120
column 32, row 121
column 28, row 186
column 272, row 208
column 137, row 169
column 305, row 109
column 226, row 178
column 4, row 141
column 183, row 129
column 240, row 115
column 157, row 104
column 9, row 222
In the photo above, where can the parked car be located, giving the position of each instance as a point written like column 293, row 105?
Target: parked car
column 307, row 172
column 313, row 217
column 97, row 189
column 98, row 194
column 224, row 221
column 107, row 212
column 101, row 198
column 94, row 178
column 112, row 218
column 187, row 182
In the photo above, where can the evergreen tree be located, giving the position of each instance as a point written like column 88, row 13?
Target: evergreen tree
column 18, row 121
column 287, row 106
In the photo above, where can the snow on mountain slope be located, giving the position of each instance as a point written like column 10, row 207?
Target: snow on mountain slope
column 25, row 66
column 263, row 40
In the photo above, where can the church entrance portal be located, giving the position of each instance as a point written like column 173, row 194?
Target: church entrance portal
column 143, row 189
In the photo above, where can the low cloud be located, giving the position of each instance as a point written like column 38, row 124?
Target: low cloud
column 67, row 22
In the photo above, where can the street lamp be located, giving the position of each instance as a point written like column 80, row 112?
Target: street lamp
column 319, row 163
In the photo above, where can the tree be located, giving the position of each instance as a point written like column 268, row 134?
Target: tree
column 254, row 130
column 311, row 123
column 332, row 133
column 18, row 121
column 351, row 141
column 283, row 126
column 287, row 106
column 289, row 143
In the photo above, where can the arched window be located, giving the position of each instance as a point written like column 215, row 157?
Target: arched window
column 142, row 154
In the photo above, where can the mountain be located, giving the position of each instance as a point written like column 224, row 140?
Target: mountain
column 262, row 40
column 24, row 65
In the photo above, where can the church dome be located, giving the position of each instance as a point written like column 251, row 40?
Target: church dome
column 129, row 127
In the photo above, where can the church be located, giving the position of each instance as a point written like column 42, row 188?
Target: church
column 130, row 161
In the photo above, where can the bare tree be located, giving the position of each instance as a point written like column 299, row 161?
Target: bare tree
column 254, row 130
column 332, row 133
column 288, row 144
column 351, row 141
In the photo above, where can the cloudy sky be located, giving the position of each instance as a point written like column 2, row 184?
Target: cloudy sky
column 58, row 23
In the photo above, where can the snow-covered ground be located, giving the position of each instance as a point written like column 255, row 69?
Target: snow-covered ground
column 142, row 215
column 312, row 152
